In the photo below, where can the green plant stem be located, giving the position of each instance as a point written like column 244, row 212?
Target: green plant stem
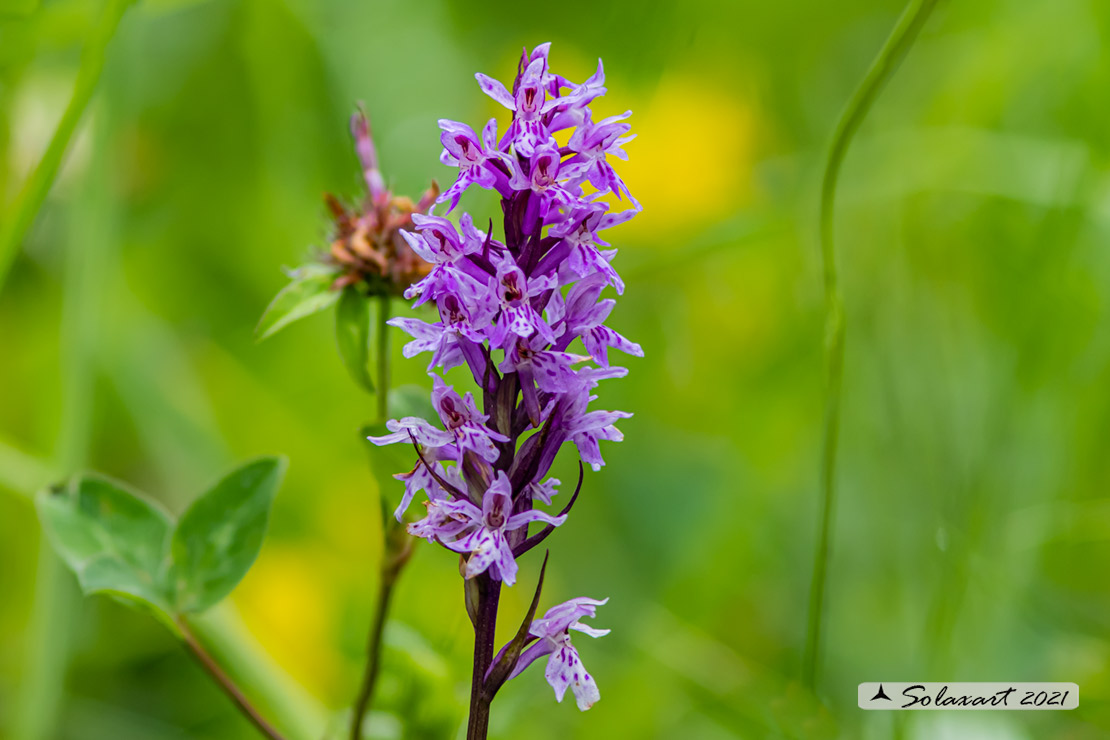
column 233, row 647
column 27, row 204
column 398, row 549
column 373, row 660
column 890, row 56
column 213, row 669
column 383, row 358
column 397, row 546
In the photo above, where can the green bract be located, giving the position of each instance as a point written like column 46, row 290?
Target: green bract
column 352, row 334
column 122, row 544
column 309, row 292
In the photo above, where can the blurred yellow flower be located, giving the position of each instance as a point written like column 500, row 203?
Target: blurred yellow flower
column 692, row 157
column 285, row 603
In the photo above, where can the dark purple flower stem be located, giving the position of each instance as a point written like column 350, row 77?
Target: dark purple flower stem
column 485, row 625
column 499, row 402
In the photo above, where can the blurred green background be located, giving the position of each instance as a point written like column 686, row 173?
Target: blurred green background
column 972, row 538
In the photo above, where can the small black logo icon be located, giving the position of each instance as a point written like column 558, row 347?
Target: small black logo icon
column 881, row 695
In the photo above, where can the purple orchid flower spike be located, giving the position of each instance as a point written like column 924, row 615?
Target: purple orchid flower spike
column 509, row 312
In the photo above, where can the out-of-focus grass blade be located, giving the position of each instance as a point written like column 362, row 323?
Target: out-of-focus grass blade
column 163, row 392
column 17, row 8
column 1038, row 170
column 1057, row 522
column 91, row 718
column 21, row 473
column 22, row 215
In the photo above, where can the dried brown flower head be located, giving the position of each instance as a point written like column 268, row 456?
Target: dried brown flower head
column 366, row 241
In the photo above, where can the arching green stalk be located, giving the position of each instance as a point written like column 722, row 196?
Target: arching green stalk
column 87, row 256
column 892, row 53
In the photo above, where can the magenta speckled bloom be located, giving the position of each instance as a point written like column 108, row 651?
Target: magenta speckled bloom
column 564, row 667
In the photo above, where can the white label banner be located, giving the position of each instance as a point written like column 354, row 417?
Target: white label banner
column 906, row 695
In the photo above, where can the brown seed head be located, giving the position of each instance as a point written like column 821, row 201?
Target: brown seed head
column 366, row 243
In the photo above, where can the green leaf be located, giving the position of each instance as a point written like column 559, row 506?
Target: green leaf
column 116, row 541
column 352, row 334
column 220, row 535
column 309, row 293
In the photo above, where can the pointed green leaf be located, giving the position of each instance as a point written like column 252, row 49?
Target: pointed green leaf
column 116, row 541
column 220, row 535
column 309, row 292
column 352, row 334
